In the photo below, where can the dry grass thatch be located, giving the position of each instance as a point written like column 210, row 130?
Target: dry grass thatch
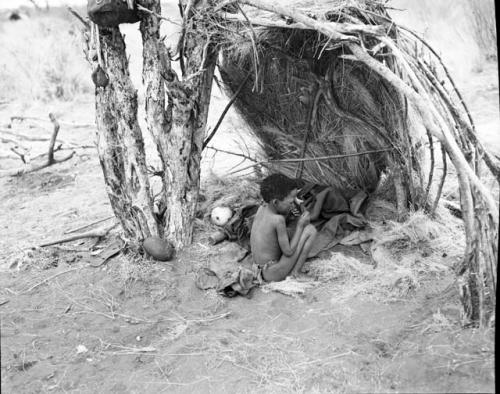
column 304, row 97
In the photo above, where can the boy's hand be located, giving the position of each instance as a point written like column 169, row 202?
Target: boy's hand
column 304, row 219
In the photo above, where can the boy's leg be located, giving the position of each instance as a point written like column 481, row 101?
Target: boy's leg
column 293, row 263
column 309, row 236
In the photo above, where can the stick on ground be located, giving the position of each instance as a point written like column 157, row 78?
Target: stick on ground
column 47, row 279
column 99, row 233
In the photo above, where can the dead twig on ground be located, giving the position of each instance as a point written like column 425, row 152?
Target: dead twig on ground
column 208, row 319
column 100, row 233
column 21, row 171
column 129, row 349
column 56, row 149
column 20, row 154
column 22, row 136
column 70, row 145
column 48, row 279
column 74, row 230
column 322, row 360
column 50, row 160
column 65, row 124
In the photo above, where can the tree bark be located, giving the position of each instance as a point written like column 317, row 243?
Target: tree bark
column 120, row 144
column 190, row 100
column 179, row 127
column 158, row 118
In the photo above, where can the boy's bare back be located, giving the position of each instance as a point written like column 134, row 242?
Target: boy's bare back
column 263, row 238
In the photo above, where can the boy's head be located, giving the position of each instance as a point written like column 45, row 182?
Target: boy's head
column 280, row 191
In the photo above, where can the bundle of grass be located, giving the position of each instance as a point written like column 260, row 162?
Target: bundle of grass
column 403, row 257
column 426, row 246
column 339, row 94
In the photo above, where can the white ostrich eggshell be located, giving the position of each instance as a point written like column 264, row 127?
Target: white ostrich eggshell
column 221, row 215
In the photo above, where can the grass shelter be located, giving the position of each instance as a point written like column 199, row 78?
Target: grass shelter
column 337, row 93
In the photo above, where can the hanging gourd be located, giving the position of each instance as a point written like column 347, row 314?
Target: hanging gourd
column 109, row 13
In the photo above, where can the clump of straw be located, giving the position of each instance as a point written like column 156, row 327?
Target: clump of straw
column 232, row 192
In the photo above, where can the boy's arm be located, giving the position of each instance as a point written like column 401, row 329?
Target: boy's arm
column 288, row 247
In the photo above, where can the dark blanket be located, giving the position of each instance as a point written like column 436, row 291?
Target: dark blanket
column 339, row 216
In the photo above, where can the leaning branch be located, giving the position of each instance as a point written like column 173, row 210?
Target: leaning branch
column 79, row 17
column 232, row 153
column 319, row 158
column 223, row 114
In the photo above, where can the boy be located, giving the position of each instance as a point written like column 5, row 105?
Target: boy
column 276, row 255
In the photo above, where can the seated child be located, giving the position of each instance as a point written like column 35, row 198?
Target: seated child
column 272, row 250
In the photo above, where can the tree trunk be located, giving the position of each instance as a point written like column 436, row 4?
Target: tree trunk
column 120, row 144
column 190, row 100
column 158, row 117
column 179, row 128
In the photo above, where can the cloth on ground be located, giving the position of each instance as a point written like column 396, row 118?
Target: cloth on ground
column 339, row 217
column 231, row 282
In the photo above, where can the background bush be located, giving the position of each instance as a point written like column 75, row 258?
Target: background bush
column 41, row 58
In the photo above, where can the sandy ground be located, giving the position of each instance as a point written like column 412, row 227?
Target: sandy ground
column 133, row 325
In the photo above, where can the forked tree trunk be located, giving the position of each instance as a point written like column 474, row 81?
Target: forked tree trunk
column 120, row 144
column 179, row 128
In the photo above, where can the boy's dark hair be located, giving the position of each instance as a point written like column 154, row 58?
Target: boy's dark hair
column 277, row 186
